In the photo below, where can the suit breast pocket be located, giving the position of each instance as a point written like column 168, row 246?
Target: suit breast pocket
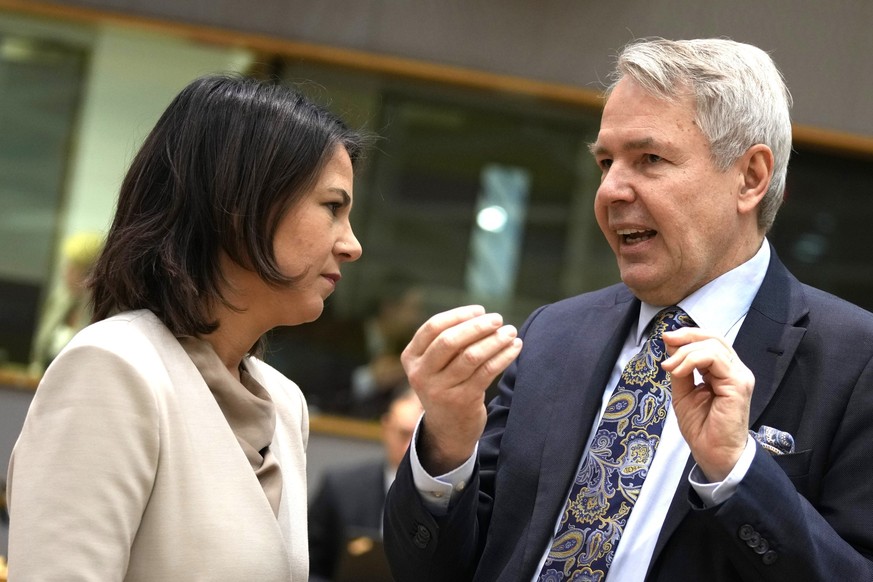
column 796, row 467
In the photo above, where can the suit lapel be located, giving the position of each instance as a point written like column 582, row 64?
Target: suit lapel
column 572, row 411
column 771, row 333
column 766, row 344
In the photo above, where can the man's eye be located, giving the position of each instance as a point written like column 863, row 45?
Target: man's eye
column 605, row 163
column 653, row 158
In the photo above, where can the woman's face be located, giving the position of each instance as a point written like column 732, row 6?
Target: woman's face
column 312, row 242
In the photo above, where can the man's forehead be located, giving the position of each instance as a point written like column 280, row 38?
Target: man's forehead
column 673, row 128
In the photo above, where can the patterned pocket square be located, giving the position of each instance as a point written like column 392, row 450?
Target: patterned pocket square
column 776, row 442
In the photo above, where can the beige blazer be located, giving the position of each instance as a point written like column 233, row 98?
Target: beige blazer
column 127, row 470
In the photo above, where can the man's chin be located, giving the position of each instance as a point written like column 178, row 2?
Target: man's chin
column 650, row 290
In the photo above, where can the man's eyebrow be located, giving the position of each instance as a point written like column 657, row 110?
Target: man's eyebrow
column 632, row 145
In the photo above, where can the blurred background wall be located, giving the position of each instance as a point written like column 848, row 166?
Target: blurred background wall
column 822, row 47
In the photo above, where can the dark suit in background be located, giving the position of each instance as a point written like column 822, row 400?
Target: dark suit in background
column 345, row 516
column 349, row 503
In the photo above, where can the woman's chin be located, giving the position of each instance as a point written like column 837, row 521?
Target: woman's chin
column 308, row 315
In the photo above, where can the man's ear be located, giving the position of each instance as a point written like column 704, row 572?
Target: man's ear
column 756, row 171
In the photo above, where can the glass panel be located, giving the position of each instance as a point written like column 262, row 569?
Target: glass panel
column 40, row 86
column 820, row 232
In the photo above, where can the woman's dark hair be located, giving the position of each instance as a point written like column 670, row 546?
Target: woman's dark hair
column 227, row 159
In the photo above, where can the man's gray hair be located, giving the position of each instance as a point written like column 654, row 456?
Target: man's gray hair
column 741, row 98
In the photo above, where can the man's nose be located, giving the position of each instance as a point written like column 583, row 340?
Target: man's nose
column 616, row 185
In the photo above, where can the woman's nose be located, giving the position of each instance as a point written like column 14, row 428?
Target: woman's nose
column 348, row 247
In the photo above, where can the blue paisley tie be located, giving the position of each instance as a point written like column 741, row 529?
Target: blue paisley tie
column 612, row 474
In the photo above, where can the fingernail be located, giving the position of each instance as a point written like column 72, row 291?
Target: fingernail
column 475, row 310
column 508, row 331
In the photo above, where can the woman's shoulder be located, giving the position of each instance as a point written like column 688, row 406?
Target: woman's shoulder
column 132, row 323
column 126, row 331
column 138, row 338
column 115, row 362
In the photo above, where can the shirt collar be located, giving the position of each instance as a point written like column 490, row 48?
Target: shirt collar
column 721, row 303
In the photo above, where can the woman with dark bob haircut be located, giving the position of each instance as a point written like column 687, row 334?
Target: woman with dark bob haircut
column 158, row 447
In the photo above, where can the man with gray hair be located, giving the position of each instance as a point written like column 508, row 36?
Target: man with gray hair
column 707, row 419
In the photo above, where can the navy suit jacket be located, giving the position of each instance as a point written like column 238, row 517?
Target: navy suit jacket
column 803, row 516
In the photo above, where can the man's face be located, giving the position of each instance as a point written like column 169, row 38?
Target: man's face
column 398, row 425
column 668, row 213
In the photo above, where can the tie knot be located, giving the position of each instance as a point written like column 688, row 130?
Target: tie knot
column 668, row 319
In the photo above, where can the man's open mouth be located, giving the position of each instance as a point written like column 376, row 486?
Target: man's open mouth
column 635, row 235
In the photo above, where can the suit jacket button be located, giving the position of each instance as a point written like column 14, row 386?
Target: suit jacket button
column 753, row 540
column 422, row 536
column 762, row 547
column 769, row 557
column 746, row 532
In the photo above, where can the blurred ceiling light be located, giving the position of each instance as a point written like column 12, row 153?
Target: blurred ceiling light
column 492, row 218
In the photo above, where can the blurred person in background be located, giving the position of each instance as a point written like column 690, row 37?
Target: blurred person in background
column 398, row 312
column 68, row 307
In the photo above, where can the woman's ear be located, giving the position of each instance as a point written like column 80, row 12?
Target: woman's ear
column 756, row 171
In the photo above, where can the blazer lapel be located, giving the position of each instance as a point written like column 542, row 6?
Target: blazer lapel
column 766, row 344
column 219, row 448
column 771, row 332
column 572, row 411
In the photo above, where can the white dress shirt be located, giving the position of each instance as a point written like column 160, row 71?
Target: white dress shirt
column 719, row 307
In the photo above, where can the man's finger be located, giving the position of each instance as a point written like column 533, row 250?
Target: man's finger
column 482, row 360
column 498, row 362
column 681, row 385
column 460, row 341
column 439, row 323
